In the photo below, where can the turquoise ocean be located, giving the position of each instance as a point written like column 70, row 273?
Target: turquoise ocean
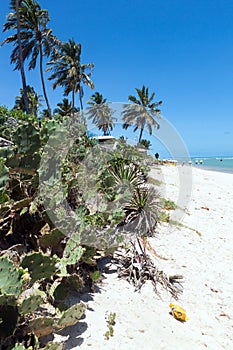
column 223, row 164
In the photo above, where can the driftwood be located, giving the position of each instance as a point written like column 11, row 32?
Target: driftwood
column 135, row 265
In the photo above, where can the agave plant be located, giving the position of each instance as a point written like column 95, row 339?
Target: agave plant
column 119, row 178
column 127, row 173
column 142, row 211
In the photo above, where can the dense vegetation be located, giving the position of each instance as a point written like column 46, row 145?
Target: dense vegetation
column 65, row 201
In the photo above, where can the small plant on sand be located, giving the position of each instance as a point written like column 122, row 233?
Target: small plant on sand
column 168, row 204
column 111, row 321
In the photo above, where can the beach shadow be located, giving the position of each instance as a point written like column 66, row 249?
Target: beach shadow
column 74, row 335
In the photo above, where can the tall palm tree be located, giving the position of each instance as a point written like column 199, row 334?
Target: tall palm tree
column 65, row 108
column 100, row 113
column 141, row 112
column 37, row 40
column 15, row 4
column 68, row 72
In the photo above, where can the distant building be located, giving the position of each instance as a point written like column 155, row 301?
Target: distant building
column 104, row 139
column 108, row 142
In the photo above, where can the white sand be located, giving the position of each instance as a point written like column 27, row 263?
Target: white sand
column 142, row 319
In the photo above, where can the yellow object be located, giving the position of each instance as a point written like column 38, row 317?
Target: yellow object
column 178, row 312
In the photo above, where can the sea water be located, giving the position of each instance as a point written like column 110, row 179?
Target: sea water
column 224, row 164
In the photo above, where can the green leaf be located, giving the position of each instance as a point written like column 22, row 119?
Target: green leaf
column 10, row 282
column 4, row 174
column 72, row 315
column 73, row 251
column 23, row 211
column 95, row 276
column 39, row 265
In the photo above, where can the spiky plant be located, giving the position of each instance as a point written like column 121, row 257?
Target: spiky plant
column 129, row 175
column 142, row 211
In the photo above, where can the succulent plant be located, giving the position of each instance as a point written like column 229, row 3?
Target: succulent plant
column 10, row 282
column 4, row 174
column 29, row 163
column 27, row 139
column 41, row 326
column 74, row 282
column 51, row 239
column 29, row 303
column 39, row 265
column 58, row 290
column 71, row 316
column 73, row 250
column 47, row 129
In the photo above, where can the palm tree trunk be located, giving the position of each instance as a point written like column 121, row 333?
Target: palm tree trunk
column 21, row 63
column 72, row 113
column 140, row 136
column 80, row 99
column 43, row 83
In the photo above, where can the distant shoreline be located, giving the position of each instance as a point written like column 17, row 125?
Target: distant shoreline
column 216, row 169
column 222, row 164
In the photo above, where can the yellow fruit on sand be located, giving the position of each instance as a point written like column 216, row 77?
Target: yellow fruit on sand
column 178, row 312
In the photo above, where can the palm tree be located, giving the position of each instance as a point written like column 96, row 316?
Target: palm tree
column 33, row 99
column 68, row 72
column 15, row 8
column 65, row 108
column 44, row 114
column 36, row 38
column 100, row 113
column 141, row 112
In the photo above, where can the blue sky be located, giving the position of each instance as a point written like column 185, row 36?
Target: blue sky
column 181, row 49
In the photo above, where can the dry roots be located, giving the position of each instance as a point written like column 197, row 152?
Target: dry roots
column 134, row 265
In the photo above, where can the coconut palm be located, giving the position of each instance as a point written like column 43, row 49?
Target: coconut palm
column 100, row 113
column 44, row 114
column 145, row 143
column 65, row 108
column 141, row 112
column 15, row 11
column 36, row 39
column 68, row 72
column 33, row 99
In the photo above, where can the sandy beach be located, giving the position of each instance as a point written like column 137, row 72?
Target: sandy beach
column 206, row 262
